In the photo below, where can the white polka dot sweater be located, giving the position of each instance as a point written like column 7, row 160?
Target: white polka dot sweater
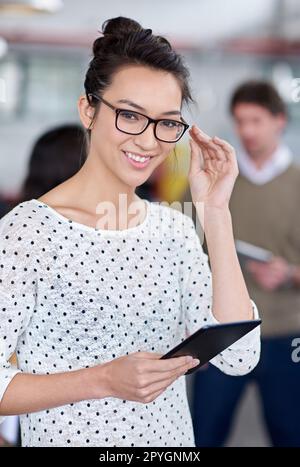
column 74, row 296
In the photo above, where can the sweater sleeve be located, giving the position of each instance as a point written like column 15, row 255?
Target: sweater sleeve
column 242, row 356
column 17, row 293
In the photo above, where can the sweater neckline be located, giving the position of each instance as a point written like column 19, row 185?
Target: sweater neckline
column 78, row 225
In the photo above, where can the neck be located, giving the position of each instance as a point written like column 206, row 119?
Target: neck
column 98, row 184
column 94, row 184
column 260, row 158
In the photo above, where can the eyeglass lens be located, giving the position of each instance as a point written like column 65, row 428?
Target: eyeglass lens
column 134, row 123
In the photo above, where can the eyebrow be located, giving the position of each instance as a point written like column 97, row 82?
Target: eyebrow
column 136, row 106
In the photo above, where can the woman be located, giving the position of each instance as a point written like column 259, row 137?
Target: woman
column 92, row 301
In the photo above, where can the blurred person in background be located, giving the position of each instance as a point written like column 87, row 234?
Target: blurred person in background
column 265, row 211
column 56, row 156
column 4, row 206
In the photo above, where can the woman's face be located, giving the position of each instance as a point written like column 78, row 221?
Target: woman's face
column 156, row 94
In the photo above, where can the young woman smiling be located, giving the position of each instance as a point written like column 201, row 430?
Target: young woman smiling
column 91, row 307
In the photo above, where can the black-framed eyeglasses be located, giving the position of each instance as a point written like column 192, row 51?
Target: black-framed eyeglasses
column 135, row 123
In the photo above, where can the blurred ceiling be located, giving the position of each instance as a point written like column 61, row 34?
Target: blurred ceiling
column 190, row 23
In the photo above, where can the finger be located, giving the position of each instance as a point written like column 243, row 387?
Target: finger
column 205, row 142
column 167, row 381
column 279, row 264
column 228, row 149
column 212, row 166
column 169, row 364
column 260, row 274
column 268, row 279
column 278, row 274
column 199, row 134
column 165, row 366
column 216, row 156
column 160, row 386
column 214, row 150
column 205, row 151
column 255, row 266
column 270, row 285
column 163, row 376
column 251, row 267
column 218, row 151
column 156, row 395
column 149, row 355
column 210, row 151
column 207, row 155
column 200, row 137
column 196, row 161
column 224, row 144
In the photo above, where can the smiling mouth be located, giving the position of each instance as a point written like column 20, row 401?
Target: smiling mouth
column 137, row 157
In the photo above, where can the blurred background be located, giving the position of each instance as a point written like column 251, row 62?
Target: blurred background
column 45, row 47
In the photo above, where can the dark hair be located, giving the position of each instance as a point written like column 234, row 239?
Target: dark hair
column 261, row 93
column 126, row 42
column 56, row 156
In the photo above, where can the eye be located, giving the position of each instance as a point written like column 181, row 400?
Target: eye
column 170, row 124
column 127, row 115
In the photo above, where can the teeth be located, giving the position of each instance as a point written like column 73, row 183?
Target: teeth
column 136, row 158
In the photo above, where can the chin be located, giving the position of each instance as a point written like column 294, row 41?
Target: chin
column 136, row 181
column 252, row 148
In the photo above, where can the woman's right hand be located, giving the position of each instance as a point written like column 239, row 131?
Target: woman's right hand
column 143, row 376
column 140, row 377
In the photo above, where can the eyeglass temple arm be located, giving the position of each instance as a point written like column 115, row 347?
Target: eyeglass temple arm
column 102, row 100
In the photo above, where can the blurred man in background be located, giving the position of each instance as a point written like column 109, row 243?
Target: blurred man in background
column 265, row 211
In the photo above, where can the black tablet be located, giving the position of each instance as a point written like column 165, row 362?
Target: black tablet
column 210, row 340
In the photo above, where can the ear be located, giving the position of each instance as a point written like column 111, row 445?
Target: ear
column 86, row 112
column 282, row 121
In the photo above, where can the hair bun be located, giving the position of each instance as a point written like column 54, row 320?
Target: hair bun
column 121, row 26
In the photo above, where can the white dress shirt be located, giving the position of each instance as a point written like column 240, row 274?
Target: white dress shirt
column 276, row 165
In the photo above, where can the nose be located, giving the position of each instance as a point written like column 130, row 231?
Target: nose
column 247, row 129
column 147, row 140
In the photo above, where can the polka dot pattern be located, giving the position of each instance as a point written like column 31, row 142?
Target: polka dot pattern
column 73, row 297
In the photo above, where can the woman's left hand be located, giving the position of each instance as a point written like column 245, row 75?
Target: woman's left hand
column 213, row 169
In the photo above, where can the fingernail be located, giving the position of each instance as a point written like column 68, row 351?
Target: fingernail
column 196, row 361
column 189, row 359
